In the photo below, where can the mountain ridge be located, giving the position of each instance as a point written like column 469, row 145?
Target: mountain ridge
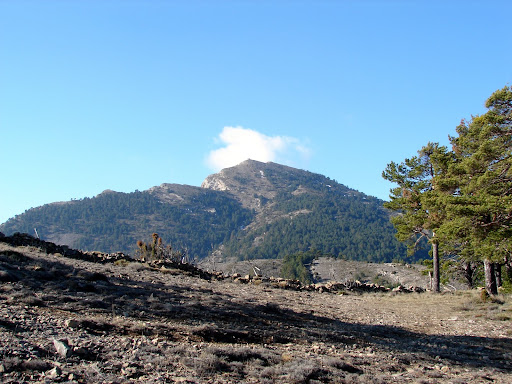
column 252, row 210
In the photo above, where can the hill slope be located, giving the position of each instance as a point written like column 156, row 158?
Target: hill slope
column 253, row 210
column 75, row 321
column 185, row 216
column 297, row 210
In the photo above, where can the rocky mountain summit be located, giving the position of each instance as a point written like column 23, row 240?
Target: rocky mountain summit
column 70, row 319
column 254, row 183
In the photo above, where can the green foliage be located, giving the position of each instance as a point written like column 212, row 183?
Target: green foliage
column 506, row 273
column 478, row 185
column 296, row 266
column 461, row 199
column 415, row 199
column 384, row 282
column 112, row 222
column 335, row 220
column 456, row 270
column 420, row 211
column 308, row 211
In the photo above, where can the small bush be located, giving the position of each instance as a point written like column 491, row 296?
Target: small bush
column 156, row 251
column 383, row 281
column 484, row 296
column 121, row 263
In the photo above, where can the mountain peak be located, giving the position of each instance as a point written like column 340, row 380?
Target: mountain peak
column 253, row 182
column 252, row 210
column 248, row 181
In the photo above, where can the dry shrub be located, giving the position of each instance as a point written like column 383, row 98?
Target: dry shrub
column 121, row 263
column 206, row 364
column 10, row 256
column 138, row 267
column 484, row 296
column 302, row 371
column 238, row 361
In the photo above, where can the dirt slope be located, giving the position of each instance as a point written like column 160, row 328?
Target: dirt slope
column 67, row 320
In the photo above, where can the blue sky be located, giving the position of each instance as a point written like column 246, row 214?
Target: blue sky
column 126, row 95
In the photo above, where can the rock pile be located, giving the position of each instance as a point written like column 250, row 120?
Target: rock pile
column 24, row 239
column 331, row 286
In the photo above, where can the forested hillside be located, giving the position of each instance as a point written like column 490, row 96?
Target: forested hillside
column 253, row 210
column 114, row 221
column 320, row 214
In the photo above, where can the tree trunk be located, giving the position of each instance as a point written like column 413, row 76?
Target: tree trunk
column 508, row 269
column 436, row 284
column 490, row 278
column 497, row 271
column 468, row 273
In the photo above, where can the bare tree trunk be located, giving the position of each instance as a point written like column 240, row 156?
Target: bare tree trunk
column 435, row 266
column 490, row 278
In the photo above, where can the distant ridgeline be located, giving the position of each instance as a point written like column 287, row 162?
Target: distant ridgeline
column 114, row 221
column 253, row 210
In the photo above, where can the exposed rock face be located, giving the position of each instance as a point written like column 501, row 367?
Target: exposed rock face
column 214, row 182
column 247, row 182
column 253, row 182
column 173, row 193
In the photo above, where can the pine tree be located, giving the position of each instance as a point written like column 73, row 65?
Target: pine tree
column 478, row 186
column 420, row 212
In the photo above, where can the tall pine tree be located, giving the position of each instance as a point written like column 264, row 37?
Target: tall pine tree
column 478, row 186
column 420, row 212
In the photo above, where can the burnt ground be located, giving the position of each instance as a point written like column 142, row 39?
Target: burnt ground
column 69, row 320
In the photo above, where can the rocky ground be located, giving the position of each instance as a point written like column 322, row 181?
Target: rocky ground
column 326, row 269
column 68, row 320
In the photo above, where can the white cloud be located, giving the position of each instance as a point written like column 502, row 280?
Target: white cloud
column 239, row 144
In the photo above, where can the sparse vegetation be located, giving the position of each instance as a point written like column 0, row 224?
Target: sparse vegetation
column 145, row 325
column 384, row 281
column 157, row 250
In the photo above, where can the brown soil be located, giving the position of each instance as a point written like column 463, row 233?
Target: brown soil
column 68, row 320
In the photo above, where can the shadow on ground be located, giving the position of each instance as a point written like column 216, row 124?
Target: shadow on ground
column 208, row 312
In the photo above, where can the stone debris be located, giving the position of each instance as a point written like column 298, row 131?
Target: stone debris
column 328, row 287
column 62, row 348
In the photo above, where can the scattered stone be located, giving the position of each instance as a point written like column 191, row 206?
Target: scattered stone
column 53, row 373
column 209, row 331
column 62, row 347
column 72, row 323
